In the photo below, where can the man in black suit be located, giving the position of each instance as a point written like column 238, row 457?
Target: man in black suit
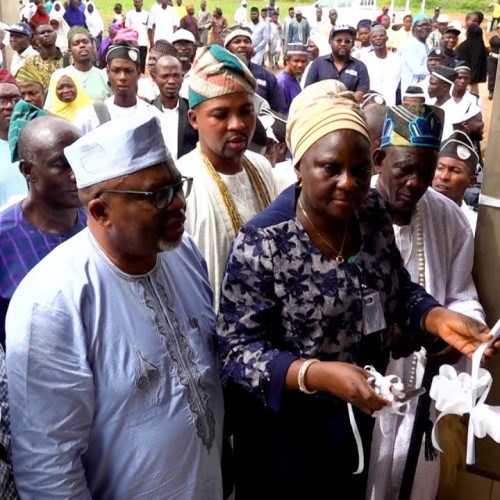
column 168, row 77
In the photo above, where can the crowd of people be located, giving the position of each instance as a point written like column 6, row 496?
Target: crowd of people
column 208, row 231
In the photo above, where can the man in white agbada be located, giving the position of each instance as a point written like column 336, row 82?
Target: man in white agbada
column 113, row 380
column 436, row 244
column 230, row 185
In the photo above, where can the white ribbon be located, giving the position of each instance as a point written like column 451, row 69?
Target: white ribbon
column 390, row 388
column 457, row 394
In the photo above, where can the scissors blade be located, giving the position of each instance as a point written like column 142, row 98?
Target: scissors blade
column 409, row 395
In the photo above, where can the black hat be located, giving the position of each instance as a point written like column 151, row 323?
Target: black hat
column 342, row 28
column 445, row 73
column 436, row 54
column 458, row 145
column 451, row 29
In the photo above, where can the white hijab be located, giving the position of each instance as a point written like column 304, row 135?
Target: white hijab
column 93, row 19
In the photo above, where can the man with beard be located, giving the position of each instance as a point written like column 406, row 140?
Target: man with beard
column 239, row 42
column 110, row 337
column 93, row 80
column 340, row 65
column 437, row 247
column 230, row 184
column 185, row 45
column 181, row 137
column 260, row 36
column 20, row 40
column 49, row 215
column 415, row 53
column 123, row 72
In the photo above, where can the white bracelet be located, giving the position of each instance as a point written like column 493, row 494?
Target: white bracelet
column 302, row 375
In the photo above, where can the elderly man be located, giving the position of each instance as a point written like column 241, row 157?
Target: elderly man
column 20, row 41
column 415, row 52
column 384, row 67
column 239, row 42
column 185, row 45
column 230, row 184
column 12, row 183
column 92, row 79
column 123, row 72
column 181, row 137
column 49, row 214
column 114, row 353
column 456, row 171
column 340, row 65
column 288, row 79
column 436, row 244
column 49, row 58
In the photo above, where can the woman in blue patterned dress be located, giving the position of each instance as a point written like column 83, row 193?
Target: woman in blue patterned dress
column 310, row 287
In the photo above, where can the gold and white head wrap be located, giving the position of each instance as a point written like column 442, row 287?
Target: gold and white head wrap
column 318, row 110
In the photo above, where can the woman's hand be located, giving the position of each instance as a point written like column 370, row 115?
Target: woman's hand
column 344, row 380
column 461, row 332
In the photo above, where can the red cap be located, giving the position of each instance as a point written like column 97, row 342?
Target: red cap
column 6, row 77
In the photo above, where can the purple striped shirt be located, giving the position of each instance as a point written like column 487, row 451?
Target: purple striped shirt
column 22, row 246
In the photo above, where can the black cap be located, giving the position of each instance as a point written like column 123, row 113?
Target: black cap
column 445, row 73
column 342, row 28
column 436, row 54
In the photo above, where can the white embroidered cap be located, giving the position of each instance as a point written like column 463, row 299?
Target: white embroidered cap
column 117, row 148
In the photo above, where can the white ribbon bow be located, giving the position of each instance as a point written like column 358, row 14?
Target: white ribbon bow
column 460, row 393
column 390, row 388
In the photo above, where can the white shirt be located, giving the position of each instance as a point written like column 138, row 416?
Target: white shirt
column 164, row 21
column 240, row 16
column 385, row 74
column 87, row 119
column 453, row 113
column 139, row 22
column 170, row 121
column 18, row 59
column 147, row 88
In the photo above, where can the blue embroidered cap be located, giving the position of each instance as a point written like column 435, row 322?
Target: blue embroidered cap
column 419, row 126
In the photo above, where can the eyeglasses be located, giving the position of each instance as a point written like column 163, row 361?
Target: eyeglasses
column 9, row 99
column 161, row 198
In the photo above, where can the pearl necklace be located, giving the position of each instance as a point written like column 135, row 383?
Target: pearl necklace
column 412, row 376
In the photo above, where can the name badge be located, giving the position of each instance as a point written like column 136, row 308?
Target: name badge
column 373, row 314
column 262, row 83
column 352, row 72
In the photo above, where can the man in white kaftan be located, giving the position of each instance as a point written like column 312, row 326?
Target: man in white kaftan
column 231, row 185
column 113, row 379
column 424, row 221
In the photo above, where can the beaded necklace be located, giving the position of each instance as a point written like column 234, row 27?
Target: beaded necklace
column 258, row 187
column 412, row 376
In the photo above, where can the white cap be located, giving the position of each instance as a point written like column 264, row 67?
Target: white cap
column 442, row 18
column 244, row 3
column 183, row 35
column 117, row 148
column 471, row 111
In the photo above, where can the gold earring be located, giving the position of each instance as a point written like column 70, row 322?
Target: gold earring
column 300, row 183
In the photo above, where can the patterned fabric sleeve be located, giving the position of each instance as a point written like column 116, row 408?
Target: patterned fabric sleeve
column 249, row 315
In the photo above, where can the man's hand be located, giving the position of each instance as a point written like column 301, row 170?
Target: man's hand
column 461, row 332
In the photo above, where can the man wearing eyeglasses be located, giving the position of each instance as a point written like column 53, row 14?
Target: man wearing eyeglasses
column 113, row 380
column 12, row 183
